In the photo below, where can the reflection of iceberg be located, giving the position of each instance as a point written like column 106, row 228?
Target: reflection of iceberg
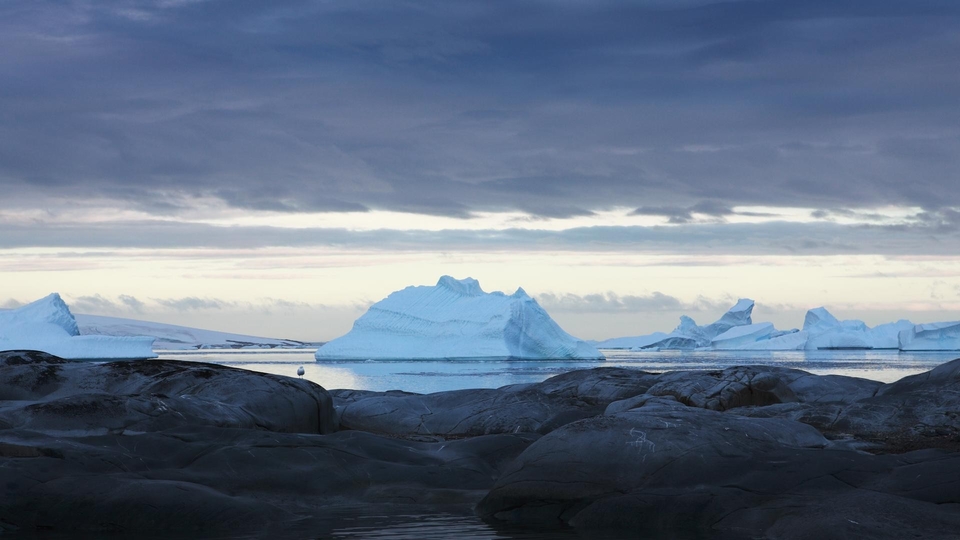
column 688, row 335
column 456, row 319
column 942, row 336
column 47, row 325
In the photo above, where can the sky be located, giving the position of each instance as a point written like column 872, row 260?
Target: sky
column 273, row 168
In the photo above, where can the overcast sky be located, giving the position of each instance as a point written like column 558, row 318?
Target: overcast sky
column 274, row 167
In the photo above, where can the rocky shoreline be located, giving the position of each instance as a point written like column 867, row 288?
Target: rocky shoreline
column 169, row 447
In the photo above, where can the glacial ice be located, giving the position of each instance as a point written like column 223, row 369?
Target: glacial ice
column 687, row 335
column 942, row 336
column 887, row 336
column 821, row 330
column 47, row 325
column 827, row 332
column 739, row 337
column 456, row 319
column 174, row 337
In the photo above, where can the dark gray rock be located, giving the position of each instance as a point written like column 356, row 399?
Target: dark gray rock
column 186, row 448
column 670, row 469
column 916, row 412
column 512, row 409
column 927, row 404
column 746, row 386
column 202, row 478
column 42, row 392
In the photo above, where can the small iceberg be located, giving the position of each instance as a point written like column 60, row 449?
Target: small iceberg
column 48, row 326
column 456, row 320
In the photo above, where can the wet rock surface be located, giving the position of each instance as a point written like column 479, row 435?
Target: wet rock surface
column 164, row 447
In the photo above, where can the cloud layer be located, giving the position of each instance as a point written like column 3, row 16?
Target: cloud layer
column 552, row 108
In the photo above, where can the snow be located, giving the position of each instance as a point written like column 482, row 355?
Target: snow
column 47, row 325
column 174, row 337
column 942, row 336
column 456, row 319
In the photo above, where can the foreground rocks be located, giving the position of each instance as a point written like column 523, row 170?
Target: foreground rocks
column 747, row 452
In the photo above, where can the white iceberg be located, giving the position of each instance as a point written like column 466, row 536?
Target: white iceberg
column 456, row 319
column 48, row 326
column 887, row 336
column 826, row 332
column 942, row 336
column 742, row 337
column 688, row 335
column 791, row 340
column 174, row 337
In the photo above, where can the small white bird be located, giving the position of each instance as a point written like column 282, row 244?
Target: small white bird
column 300, row 372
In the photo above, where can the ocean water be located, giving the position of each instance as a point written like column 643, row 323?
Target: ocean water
column 425, row 376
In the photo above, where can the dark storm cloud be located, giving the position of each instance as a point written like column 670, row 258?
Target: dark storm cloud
column 554, row 108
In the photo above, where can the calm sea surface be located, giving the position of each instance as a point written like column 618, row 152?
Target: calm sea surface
column 426, row 376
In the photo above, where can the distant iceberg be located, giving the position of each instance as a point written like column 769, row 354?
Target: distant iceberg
column 48, row 326
column 456, row 319
column 821, row 331
column 174, row 337
column 688, row 335
column 826, row 332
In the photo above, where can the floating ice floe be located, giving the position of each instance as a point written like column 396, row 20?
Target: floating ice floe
column 456, row 319
column 48, row 326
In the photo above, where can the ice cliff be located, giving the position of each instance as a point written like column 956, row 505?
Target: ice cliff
column 943, row 336
column 48, row 326
column 456, row 319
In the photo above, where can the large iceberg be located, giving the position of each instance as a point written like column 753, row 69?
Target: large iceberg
column 687, row 335
column 942, row 336
column 456, row 319
column 887, row 336
column 174, row 337
column 48, row 326
column 827, row 332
